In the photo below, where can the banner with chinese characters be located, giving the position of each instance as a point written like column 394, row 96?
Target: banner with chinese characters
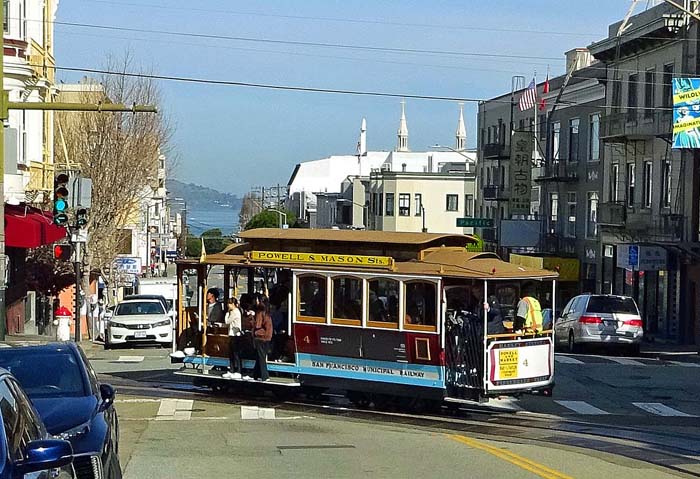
column 520, row 180
column 686, row 113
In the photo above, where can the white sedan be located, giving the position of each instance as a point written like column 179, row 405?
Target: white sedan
column 139, row 320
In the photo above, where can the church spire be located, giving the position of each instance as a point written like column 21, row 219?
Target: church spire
column 403, row 130
column 362, row 144
column 461, row 134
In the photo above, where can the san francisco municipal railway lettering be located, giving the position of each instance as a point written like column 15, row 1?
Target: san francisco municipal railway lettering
column 321, row 258
column 366, row 369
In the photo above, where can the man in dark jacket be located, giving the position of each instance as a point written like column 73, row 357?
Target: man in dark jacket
column 215, row 311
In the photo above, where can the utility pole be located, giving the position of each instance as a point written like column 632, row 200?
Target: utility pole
column 5, row 106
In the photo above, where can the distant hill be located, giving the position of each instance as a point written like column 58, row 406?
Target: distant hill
column 200, row 197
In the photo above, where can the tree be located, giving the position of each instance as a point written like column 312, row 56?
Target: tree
column 45, row 274
column 214, row 241
column 118, row 151
column 193, row 247
column 269, row 219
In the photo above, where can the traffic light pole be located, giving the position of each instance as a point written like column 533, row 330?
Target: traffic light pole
column 77, row 250
column 5, row 106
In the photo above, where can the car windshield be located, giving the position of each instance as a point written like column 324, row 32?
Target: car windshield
column 45, row 373
column 134, row 308
column 611, row 304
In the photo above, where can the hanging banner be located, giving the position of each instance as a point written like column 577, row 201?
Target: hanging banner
column 686, row 113
column 520, row 172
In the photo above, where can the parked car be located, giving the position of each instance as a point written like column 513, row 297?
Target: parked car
column 64, row 388
column 600, row 319
column 139, row 321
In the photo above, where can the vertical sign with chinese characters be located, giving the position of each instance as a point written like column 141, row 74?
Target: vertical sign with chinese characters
column 520, row 172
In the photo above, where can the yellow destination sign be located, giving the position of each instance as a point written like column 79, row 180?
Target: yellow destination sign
column 322, row 258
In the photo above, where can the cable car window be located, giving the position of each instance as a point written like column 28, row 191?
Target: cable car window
column 312, row 299
column 347, row 301
column 383, row 304
column 421, row 306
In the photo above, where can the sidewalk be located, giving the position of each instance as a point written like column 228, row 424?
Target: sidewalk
column 669, row 351
column 86, row 344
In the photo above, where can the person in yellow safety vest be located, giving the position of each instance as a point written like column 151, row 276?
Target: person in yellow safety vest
column 529, row 314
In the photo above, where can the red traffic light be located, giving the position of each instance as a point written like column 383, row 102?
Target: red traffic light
column 62, row 252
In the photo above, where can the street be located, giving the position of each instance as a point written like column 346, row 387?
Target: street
column 641, row 409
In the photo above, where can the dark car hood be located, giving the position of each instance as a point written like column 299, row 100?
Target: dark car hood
column 63, row 413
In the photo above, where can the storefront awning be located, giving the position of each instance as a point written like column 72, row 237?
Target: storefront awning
column 27, row 227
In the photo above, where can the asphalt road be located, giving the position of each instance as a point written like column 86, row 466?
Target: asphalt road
column 170, row 430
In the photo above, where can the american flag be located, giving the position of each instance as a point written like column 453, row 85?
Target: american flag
column 527, row 100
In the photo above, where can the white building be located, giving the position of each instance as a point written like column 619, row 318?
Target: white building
column 335, row 191
column 29, row 77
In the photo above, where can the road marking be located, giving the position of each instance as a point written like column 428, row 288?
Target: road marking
column 582, row 407
column 625, row 361
column 520, row 461
column 136, row 400
column 687, row 365
column 660, row 409
column 255, row 412
column 567, row 359
column 175, row 410
column 130, row 359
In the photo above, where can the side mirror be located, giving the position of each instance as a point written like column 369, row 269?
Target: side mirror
column 45, row 454
column 107, row 393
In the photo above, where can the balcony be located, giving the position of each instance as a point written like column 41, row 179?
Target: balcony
column 636, row 125
column 559, row 171
column 612, row 214
column 660, row 228
column 496, row 150
column 494, row 193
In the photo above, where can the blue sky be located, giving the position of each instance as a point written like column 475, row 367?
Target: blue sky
column 233, row 138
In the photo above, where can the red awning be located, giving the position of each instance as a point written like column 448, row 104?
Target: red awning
column 27, row 227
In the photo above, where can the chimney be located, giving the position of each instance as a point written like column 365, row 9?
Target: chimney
column 579, row 57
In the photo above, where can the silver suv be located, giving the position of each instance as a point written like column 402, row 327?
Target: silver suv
column 600, row 319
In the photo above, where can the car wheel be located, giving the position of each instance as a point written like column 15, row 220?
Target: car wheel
column 573, row 348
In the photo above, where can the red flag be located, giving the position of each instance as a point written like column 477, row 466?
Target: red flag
column 545, row 90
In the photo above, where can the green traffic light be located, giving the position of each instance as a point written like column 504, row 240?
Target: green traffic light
column 60, row 205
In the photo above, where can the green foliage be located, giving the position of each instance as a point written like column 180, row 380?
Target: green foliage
column 270, row 219
column 214, row 242
column 193, row 247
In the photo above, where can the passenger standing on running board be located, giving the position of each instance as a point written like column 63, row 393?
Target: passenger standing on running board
column 262, row 334
column 233, row 320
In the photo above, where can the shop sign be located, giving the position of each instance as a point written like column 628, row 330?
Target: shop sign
column 642, row 257
column 322, row 258
column 128, row 265
column 520, row 172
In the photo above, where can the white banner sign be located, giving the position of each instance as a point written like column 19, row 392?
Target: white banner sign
column 519, row 364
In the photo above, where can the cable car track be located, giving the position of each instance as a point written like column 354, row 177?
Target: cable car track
column 660, row 449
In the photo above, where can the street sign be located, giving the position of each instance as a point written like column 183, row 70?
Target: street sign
column 128, row 265
column 474, row 223
column 633, row 254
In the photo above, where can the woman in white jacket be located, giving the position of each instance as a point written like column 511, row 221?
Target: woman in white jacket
column 233, row 320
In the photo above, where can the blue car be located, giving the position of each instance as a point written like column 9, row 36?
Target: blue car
column 63, row 387
column 25, row 445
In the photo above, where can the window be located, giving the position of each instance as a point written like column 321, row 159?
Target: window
column 553, row 210
column 489, row 137
column 648, row 179
column 380, row 204
column 421, row 306
column 452, row 203
column 667, row 94
column 404, row 204
column 469, row 206
column 542, row 125
column 630, row 183
column 616, row 93
column 501, row 132
column 632, row 97
column 418, row 204
column 6, row 16
column 649, row 84
column 666, row 184
column 521, row 124
column 390, row 204
column 347, row 301
column 592, row 223
column 556, row 128
column 383, row 307
column 594, row 138
column 571, row 215
column 573, row 139
column 615, row 182
column 312, row 299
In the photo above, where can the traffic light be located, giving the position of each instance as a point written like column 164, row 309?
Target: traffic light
column 60, row 199
column 63, row 252
column 81, row 217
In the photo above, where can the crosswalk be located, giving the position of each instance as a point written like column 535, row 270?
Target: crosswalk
column 654, row 408
column 595, row 359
